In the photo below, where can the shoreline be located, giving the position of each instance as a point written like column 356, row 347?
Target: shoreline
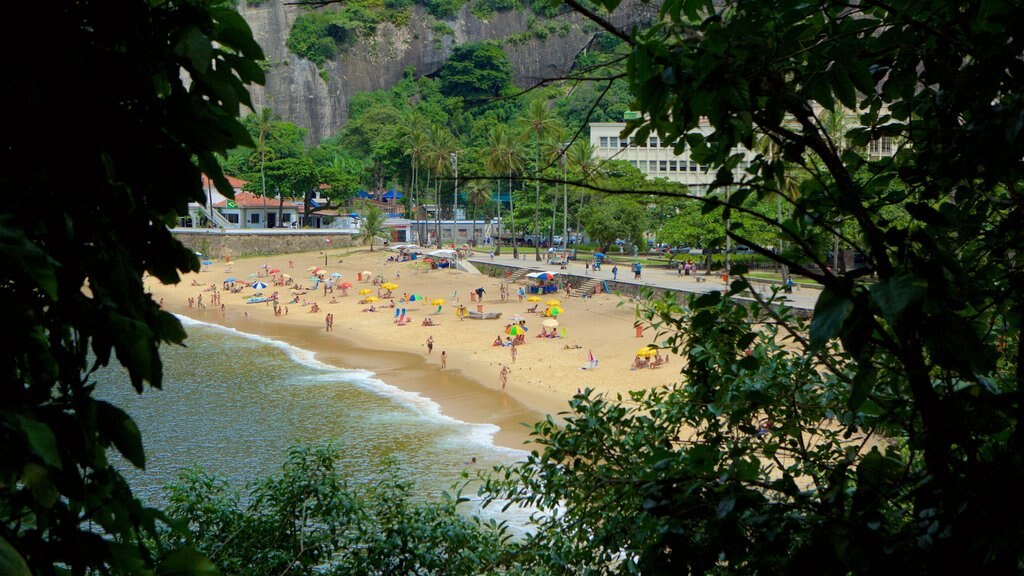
column 544, row 377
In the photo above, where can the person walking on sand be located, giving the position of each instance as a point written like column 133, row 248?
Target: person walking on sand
column 503, row 376
column 514, row 352
column 444, row 359
column 430, row 345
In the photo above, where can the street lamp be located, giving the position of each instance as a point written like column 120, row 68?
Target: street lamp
column 455, row 202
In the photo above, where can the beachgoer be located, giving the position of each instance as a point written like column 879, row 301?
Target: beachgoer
column 480, row 294
column 615, row 272
column 503, row 376
column 444, row 359
column 430, row 345
column 514, row 352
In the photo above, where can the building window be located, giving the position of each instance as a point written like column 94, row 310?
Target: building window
column 672, row 167
column 652, row 141
column 663, row 165
column 642, row 165
column 604, row 141
column 254, row 218
column 633, row 163
column 880, row 147
column 693, row 166
column 232, row 218
column 286, row 217
column 613, row 141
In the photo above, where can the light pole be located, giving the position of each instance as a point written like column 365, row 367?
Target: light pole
column 565, row 197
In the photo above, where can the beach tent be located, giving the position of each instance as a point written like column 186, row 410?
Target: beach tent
column 363, row 194
column 542, row 275
column 392, row 195
column 443, row 253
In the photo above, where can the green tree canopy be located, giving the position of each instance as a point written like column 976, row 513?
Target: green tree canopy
column 74, row 264
column 476, row 71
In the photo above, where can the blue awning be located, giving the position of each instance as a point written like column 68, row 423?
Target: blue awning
column 363, row 194
column 314, row 203
column 392, row 195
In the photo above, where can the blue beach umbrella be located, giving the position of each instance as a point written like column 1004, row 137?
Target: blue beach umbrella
column 207, row 262
column 336, row 275
column 259, row 285
column 232, row 279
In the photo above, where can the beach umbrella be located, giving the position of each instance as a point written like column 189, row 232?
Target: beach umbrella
column 231, row 279
column 372, row 299
column 345, row 285
column 259, row 285
column 286, row 275
column 551, row 323
column 207, row 262
column 515, row 330
column 367, row 274
column 335, row 274
column 646, row 352
column 599, row 254
column 415, row 298
column 365, row 291
column 437, row 301
column 389, row 285
column 534, row 299
column 554, row 302
column 516, row 318
column 555, row 310
column 275, row 270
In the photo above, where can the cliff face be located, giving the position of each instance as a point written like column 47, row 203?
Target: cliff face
column 297, row 93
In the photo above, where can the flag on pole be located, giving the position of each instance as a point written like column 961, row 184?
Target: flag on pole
column 591, row 355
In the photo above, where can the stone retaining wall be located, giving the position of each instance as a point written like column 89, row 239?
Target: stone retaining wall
column 238, row 243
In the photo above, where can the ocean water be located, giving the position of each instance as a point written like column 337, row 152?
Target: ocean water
column 233, row 403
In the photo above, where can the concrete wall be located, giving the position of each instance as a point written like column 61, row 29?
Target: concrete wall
column 237, row 243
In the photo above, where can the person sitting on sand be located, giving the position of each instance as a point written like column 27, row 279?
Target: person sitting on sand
column 428, row 321
column 497, row 341
column 333, row 301
column 314, row 308
column 370, row 309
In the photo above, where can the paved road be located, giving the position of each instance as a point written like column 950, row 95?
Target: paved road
column 802, row 298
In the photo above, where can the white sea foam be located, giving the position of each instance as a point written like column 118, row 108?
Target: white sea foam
column 479, row 434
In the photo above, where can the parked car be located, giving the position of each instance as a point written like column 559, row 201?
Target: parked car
column 741, row 249
column 680, row 250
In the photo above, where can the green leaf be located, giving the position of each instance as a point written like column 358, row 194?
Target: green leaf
column 195, row 46
column 122, row 431
column 42, row 440
column 11, row 562
column 37, row 478
column 830, row 313
column 186, row 562
column 19, row 253
column 896, row 294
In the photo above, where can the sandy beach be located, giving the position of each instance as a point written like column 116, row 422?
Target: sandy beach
column 546, row 372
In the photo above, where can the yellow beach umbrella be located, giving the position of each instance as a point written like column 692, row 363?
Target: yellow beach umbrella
column 365, row 291
column 389, row 285
column 555, row 310
column 437, row 301
column 646, row 352
column 372, row 299
column 533, row 299
column 554, row 302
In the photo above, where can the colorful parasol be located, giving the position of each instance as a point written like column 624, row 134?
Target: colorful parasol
column 553, row 302
column 437, row 301
column 534, row 299
column 646, row 352
column 555, row 311
column 365, row 291
column 372, row 299
column 515, row 330
column 389, row 285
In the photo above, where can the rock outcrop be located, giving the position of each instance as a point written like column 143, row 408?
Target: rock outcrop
column 297, row 93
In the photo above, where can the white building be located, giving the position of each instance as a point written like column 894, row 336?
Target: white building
column 655, row 160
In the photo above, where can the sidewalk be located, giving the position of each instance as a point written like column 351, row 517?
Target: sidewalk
column 802, row 298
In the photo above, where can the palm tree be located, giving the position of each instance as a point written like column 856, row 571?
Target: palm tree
column 415, row 142
column 373, row 223
column 438, row 158
column 503, row 158
column 542, row 125
column 263, row 124
column 583, row 160
column 836, row 125
column 479, row 192
column 787, row 189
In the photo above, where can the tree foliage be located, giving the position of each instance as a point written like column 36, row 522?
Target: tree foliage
column 885, row 436
column 73, row 264
column 476, row 72
column 308, row 520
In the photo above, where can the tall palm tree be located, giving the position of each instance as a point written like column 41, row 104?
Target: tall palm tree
column 836, row 125
column 585, row 164
column 438, row 158
column 503, row 158
column 540, row 124
column 263, row 124
column 415, row 145
column 479, row 192
column 787, row 189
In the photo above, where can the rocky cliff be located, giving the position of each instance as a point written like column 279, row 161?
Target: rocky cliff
column 297, row 93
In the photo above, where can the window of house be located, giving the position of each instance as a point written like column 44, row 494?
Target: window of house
column 693, row 166
column 613, row 141
column 652, row 141
column 633, row 163
column 254, row 218
column 642, row 165
column 604, row 141
column 672, row 166
column 232, row 218
column 286, row 217
column 663, row 165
